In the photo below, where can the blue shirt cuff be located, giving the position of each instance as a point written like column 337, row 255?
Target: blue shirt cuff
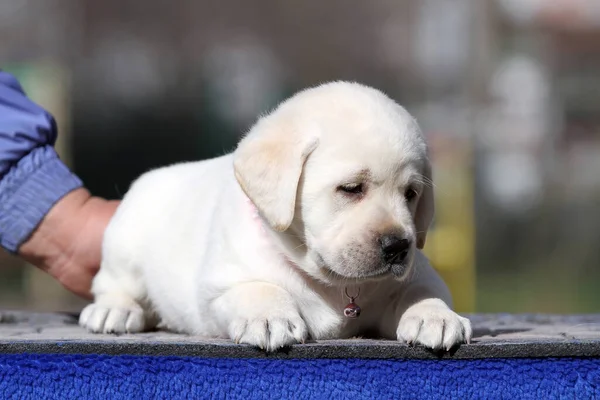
column 28, row 191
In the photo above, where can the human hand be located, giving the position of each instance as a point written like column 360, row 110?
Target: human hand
column 68, row 242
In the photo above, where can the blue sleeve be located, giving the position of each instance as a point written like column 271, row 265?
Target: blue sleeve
column 32, row 177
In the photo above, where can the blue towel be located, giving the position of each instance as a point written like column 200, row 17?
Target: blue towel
column 39, row 377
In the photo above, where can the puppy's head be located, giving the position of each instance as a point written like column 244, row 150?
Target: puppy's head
column 344, row 171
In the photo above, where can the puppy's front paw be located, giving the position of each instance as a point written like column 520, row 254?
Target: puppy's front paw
column 271, row 330
column 271, row 319
column 434, row 325
column 112, row 318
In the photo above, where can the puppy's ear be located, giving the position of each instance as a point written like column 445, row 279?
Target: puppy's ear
column 425, row 207
column 268, row 163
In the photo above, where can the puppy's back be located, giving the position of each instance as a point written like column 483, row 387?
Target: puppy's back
column 166, row 206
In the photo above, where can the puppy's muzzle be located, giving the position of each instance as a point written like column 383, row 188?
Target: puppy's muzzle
column 394, row 250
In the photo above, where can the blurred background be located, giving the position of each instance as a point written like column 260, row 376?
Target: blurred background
column 507, row 92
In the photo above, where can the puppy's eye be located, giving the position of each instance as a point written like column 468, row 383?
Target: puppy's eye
column 351, row 188
column 410, row 194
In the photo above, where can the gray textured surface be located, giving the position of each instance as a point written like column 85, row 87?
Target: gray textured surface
column 496, row 335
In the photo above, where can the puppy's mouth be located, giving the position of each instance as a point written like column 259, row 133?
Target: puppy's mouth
column 378, row 274
column 398, row 270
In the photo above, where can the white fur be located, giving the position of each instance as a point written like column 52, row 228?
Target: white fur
column 259, row 245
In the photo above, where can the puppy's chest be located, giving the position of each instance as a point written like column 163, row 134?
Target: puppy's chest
column 328, row 319
column 367, row 324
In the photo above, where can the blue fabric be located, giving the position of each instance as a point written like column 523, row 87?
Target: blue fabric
column 136, row 377
column 32, row 177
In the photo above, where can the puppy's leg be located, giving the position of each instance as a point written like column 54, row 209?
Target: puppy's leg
column 433, row 324
column 423, row 315
column 119, row 293
column 260, row 314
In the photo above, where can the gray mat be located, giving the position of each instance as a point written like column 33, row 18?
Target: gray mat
column 495, row 336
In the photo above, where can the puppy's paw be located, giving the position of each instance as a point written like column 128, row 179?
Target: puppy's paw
column 271, row 330
column 127, row 317
column 434, row 325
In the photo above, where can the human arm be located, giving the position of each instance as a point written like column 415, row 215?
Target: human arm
column 46, row 216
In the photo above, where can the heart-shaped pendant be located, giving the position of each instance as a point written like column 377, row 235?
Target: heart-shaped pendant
column 352, row 310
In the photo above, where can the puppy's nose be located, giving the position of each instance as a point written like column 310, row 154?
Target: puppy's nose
column 394, row 248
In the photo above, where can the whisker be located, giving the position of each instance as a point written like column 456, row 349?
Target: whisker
column 300, row 245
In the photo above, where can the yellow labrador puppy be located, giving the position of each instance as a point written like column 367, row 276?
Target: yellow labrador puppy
column 323, row 206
